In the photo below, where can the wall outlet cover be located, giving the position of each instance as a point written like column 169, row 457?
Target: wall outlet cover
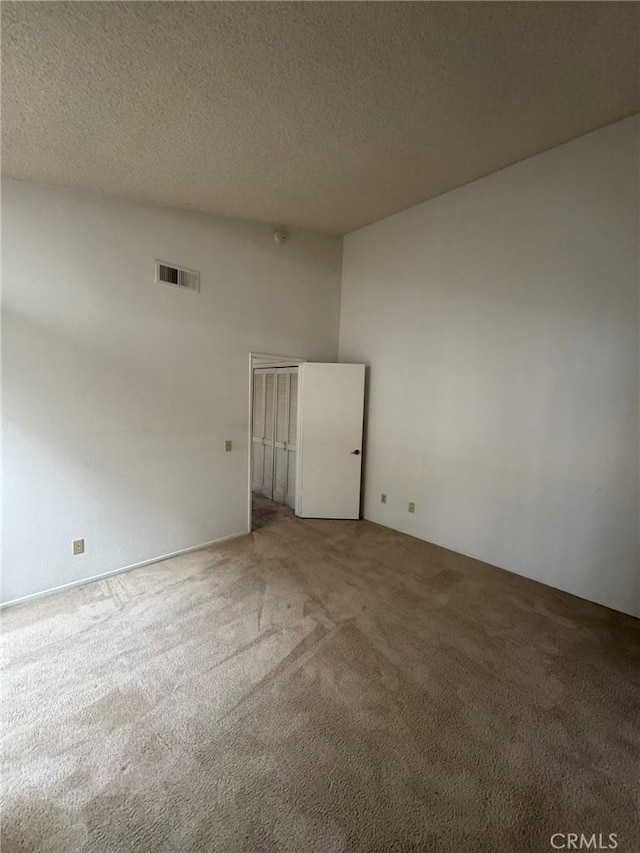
column 412, row 506
column 383, row 499
column 78, row 546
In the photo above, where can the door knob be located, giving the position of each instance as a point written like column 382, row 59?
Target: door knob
column 355, row 452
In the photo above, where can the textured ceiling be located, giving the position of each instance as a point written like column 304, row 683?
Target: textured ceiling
column 326, row 115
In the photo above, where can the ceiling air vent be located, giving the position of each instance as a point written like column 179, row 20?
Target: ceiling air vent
column 177, row 276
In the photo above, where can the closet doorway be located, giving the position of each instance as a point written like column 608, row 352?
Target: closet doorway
column 305, row 439
column 273, row 437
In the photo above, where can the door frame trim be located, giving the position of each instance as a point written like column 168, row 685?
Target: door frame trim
column 256, row 360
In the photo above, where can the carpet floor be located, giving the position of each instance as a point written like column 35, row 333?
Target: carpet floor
column 318, row 686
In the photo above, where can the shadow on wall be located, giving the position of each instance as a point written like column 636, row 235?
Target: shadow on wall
column 507, row 459
column 112, row 442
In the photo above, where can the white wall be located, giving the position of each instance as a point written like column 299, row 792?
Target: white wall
column 500, row 323
column 118, row 393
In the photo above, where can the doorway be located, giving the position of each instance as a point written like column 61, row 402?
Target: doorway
column 272, row 437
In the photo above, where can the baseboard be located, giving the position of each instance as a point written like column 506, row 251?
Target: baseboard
column 632, row 613
column 104, row 575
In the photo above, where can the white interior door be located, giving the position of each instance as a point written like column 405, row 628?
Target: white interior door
column 330, row 410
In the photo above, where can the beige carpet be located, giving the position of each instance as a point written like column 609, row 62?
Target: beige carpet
column 318, row 686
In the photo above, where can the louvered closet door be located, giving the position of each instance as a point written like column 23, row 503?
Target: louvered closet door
column 257, row 445
column 292, row 444
column 285, row 435
column 263, row 428
column 269, row 426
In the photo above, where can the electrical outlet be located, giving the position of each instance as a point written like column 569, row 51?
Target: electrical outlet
column 228, row 445
column 383, row 499
column 412, row 506
column 78, row 546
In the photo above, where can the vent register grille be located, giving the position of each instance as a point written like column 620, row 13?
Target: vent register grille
column 177, row 276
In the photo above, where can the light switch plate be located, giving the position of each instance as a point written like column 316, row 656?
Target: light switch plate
column 78, row 546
